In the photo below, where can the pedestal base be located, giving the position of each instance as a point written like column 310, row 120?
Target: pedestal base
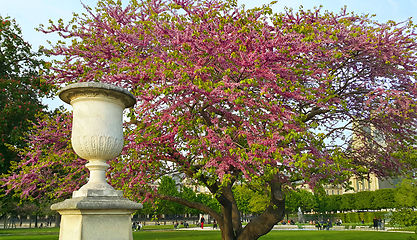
column 96, row 218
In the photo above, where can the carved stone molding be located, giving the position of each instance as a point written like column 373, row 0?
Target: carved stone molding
column 95, row 89
column 97, row 147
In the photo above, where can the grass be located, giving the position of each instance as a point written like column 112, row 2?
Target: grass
column 29, row 234
column 26, row 231
column 32, row 237
column 161, row 233
column 169, row 227
column 339, row 235
column 177, row 235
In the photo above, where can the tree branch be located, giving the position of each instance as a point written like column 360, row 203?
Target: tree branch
column 266, row 221
column 315, row 111
column 237, row 225
column 190, row 204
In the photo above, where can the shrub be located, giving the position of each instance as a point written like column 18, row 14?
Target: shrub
column 404, row 217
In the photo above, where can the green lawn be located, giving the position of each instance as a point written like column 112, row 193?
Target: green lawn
column 177, row 235
column 29, row 233
column 52, row 234
column 339, row 235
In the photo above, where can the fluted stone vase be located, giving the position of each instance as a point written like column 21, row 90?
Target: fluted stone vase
column 96, row 210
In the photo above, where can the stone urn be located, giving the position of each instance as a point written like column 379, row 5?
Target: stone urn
column 97, row 129
column 96, row 210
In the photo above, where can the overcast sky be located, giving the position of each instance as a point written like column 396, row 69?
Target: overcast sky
column 30, row 13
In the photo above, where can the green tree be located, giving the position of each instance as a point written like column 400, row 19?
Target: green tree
column 321, row 202
column 259, row 202
column 148, row 209
column 208, row 200
column 406, row 200
column 188, row 194
column 404, row 217
column 301, row 198
column 385, row 198
column 251, row 199
column 203, row 198
column 8, row 208
column 406, row 194
column 21, row 89
column 243, row 196
column 333, row 203
column 348, row 202
column 364, row 200
column 167, row 186
column 307, row 200
column 292, row 201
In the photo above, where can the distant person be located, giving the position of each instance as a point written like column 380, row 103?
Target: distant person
column 202, row 220
column 214, row 224
column 375, row 220
column 329, row 224
column 324, row 225
column 380, row 223
column 318, row 225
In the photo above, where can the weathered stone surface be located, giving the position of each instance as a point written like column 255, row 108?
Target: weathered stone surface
column 71, row 91
column 96, row 203
column 96, row 218
column 97, row 193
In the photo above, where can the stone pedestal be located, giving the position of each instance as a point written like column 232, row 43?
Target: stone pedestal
column 96, row 211
column 96, row 218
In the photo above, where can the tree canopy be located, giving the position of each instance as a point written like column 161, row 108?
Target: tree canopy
column 167, row 186
column 232, row 95
column 21, row 89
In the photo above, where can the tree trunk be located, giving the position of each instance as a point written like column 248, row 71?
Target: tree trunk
column 263, row 224
column 229, row 219
column 57, row 219
column 13, row 221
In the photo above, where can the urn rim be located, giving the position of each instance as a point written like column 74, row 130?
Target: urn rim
column 67, row 93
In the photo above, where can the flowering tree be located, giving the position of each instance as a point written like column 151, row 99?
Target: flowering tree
column 228, row 95
column 50, row 168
